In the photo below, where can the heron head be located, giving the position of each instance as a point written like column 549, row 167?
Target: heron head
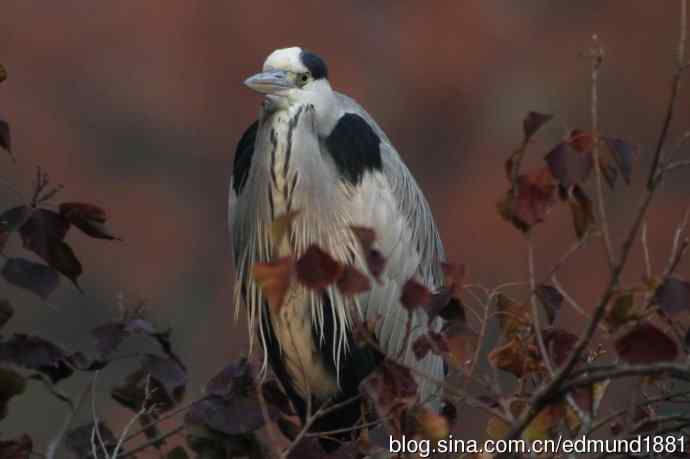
column 293, row 76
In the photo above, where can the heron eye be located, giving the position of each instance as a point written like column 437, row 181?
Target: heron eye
column 303, row 78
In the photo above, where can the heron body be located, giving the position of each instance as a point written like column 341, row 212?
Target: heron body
column 315, row 150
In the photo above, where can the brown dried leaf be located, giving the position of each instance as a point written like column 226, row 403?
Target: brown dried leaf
column 316, row 269
column 513, row 317
column 536, row 194
column 353, row 282
column 414, row 295
column 646, row 344
column 559, row 344
column 515, row 357
column 274, row 279
column 90, row 219
column 366, row 236
column 457, row 343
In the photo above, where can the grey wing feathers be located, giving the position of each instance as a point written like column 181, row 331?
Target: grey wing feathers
column 418, row 231
column 411, row 201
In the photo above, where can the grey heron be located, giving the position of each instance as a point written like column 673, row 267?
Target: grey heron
column 317, row 150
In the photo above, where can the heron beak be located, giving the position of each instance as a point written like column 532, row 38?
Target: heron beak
column 270, row 82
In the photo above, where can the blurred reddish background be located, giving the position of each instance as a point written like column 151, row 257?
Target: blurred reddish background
column 137, row 105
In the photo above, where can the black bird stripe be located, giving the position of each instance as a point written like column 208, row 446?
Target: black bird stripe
column 292, row 124
column 354, row 147
column 243, row 158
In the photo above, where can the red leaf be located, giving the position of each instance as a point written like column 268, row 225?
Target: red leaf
column 646, row 344
column 365, row 236
column 316, row 269
column 353, row 282
column 5, row 140
column 414, row 295
column 89, row 218
column 535, row 197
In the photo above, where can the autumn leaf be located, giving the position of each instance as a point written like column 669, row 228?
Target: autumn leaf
column 35, row 277
column 622, row 154
column 457, row 343
column 515, row 357
column 426, row 424
column 3, row 73
column 353, row 282
column 366, row 236
column 90, row 219
column 673, row 295
column 569, row 165
column 534, row 198
column 316, row 269
column 274, row 279
column 414, row 295
column 646, row 344
column 533, row 122
column 512, row 316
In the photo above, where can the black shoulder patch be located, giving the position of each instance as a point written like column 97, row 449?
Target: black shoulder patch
column 313, row 62
column 243, row 157
column 355, row 148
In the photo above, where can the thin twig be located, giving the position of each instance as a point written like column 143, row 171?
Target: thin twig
column 597, row 56
column 69, row 419
column 656, row 172
column 153, row 442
